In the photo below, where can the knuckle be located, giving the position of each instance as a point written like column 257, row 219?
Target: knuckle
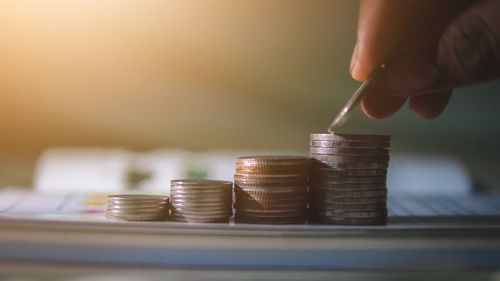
column 469, row 51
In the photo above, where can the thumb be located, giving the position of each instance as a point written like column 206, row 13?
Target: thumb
column 468, row 52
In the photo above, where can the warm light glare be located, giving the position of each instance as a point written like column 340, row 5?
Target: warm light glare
column 164, row 72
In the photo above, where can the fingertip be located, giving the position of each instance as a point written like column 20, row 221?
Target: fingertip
column 378, row 104
column 374, row 112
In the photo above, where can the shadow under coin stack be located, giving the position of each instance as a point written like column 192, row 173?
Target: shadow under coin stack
column 132, row 207
column 348, row 179
column 271, row 189
column 201, row 201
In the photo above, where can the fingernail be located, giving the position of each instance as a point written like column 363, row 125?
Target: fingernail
column 413, row 74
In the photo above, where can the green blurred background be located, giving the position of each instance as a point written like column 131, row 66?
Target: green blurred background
column 202, row 75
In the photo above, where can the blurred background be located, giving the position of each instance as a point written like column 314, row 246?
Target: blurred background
column 203, row 75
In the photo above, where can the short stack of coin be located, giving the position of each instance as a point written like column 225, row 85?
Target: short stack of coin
column 348, row 179
column 201, row 201
column 271, row 189
column 133, row 207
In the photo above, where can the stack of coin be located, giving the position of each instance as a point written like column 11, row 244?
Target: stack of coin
column 201, row 201
column 271, row 189
column 347, row 181
column 132, row 207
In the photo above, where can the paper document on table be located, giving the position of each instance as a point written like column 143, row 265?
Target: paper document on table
column 25, row 203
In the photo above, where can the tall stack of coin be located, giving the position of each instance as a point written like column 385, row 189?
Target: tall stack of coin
column 133, row 207
column 201, row 201
column 271, row 189
column 348, row 179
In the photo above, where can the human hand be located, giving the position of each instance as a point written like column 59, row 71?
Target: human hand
column 428, row 48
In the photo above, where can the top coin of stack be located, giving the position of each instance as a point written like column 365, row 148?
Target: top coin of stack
column 133, row 207
column 348, row 179
column 271, row 189
column 201, row 201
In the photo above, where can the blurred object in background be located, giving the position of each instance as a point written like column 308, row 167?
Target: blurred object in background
column 80, row 170
column 422, row 175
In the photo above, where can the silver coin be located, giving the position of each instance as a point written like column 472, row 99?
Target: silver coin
column 279, row 187
column 270, row 205
column 327, row 171
column 348, row 207
column 188, row 182
column 291, row 213
column 137, row 198
column 204, row 198
column 137, row 202
column 318, row 185
column 349, row 166
column 138, row 212
column 222, row 201
column 136, row 217
column 351, row 159
column 270, row 202
column 226, row 213
column 271, row 159
column 199, row 216
column 349, row 201
column 192, row 211
column 282, row 186
column 203, row 204
column 271, row 189
column 342, row 221
column 349, row 137
column 197, row 220
column 283, row 220
column 350, row 193
column 350, row 215
column 201, row 187
column 121, row 209
column 200, row 205
column 268, row 196
column 350, row 144
column 134, row 205
column 264, row 183
column 264, row 198
column 367, row 173
column 271, row 179
column 200, row 191
column 325, row 179
column 261, row 196
column 272, row 171
column 266, row 205
column 344, row 172
column 278, row 206
column 274, row 166
column 257, row 211
column 348, row 151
